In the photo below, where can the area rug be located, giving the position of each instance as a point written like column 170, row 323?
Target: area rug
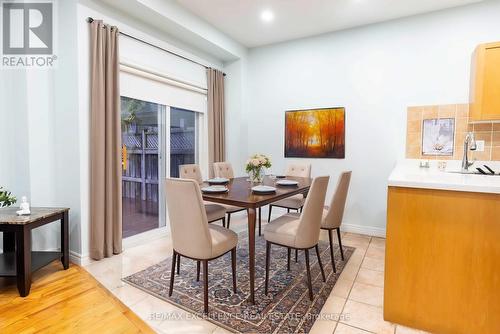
column 286, row 309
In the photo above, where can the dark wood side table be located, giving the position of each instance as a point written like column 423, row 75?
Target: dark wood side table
column 17, row 259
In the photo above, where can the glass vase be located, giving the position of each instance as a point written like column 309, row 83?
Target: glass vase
column 257, row 175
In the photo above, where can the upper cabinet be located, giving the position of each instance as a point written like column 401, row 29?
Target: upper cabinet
column 485, row 83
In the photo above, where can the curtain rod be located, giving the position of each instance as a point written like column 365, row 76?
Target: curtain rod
column 90, row 20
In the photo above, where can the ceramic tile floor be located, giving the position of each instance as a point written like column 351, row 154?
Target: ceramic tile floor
column 357, row 296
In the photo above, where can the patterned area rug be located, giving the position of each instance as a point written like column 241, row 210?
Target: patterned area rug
column 287, row 308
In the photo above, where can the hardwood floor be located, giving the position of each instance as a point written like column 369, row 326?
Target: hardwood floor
column 65, row 301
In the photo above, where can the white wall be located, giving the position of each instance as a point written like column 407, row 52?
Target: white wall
column 14, row 152
column 375, row 72
column 39, row 107
column 236, row 118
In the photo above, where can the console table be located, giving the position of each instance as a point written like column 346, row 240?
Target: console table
column 17, row 259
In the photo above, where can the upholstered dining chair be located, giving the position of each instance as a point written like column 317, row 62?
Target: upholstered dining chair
column 295, row 202
column 215, row 212
column 225, row 169
column 300, row 232
column 192, row 236
column 333, row 214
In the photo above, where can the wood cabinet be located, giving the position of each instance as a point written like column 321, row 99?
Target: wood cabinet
column 485, row 83
column 442, row 262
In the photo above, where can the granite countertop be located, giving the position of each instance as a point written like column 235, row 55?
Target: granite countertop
column 9, row 215
column 408, row 174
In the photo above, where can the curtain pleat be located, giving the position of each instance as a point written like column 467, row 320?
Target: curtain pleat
column 216, row 118
column 105, row 143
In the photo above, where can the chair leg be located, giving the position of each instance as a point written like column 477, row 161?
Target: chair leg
column 269, row 216
column 289, row 250
column 233, row 267
column 178, row 264
column 224, row 222
column 320, row 264
column 288, row 210
column 197, row 271
column 228, row 219
column 260, row 221
column 268, row 255
column 308, row 269
column 301, row 209
column 340, row 244
column 331, row 250
column 296, row 254
column 205, row 286
column 172, row 274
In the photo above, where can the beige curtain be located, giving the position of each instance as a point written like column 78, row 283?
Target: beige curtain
column 216, row 118
column 105, row 143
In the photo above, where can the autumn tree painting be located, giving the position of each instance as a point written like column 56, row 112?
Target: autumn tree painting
column 315, row 133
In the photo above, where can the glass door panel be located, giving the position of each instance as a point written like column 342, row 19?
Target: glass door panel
column 141, row 152
column 183, row 139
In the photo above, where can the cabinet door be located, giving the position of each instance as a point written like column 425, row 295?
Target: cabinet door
column 491, row 86
column 485, row 83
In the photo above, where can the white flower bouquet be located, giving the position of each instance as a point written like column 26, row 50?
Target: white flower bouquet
column 256, row 165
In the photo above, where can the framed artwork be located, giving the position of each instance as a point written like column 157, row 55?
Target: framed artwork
column 438, row 136
column 315, row 133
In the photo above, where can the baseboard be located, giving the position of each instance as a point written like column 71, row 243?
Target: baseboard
column 362, row 229
column 74, row 257
column 78, row 258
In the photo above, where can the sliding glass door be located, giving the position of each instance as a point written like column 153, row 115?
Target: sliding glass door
column 163, row 126
column 144, row 144
column 183, row 139
column 141, row 165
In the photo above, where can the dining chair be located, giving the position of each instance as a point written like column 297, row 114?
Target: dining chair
column 333, row 214
column 299, row 232
column 295, row 202
column 225, row 170
column 192, row 236
column 215, row 212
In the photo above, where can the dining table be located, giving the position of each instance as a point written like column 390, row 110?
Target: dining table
column 240, row 194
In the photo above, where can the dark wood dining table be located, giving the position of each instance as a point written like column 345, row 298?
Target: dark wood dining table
column 240, row 194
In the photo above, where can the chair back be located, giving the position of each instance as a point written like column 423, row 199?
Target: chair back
column 310, row 220
column 223, row 169
column 335, row 212
column 298, row 170
column 188, row 219
column 191, row 172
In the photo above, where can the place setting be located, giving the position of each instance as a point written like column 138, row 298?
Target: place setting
column 218, row 180
column 287, row 183
column 215, row 189
column 263, row 189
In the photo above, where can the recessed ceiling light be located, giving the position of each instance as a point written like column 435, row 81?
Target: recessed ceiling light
column 267, row 15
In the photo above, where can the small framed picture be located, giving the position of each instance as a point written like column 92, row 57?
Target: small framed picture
column 438, row 136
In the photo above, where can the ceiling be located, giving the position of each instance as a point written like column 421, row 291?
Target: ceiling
column 240, row 19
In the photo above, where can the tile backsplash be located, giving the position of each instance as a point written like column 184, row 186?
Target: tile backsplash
column 489, row 132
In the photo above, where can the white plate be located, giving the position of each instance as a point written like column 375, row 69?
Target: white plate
column 214, row 189
column 287, row 182
column 263, row 189
column 218, row 180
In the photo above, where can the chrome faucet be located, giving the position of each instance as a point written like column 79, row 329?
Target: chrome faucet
column 469, row 143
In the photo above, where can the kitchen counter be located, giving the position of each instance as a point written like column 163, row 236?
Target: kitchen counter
column 407, row 173
column 442, row 258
